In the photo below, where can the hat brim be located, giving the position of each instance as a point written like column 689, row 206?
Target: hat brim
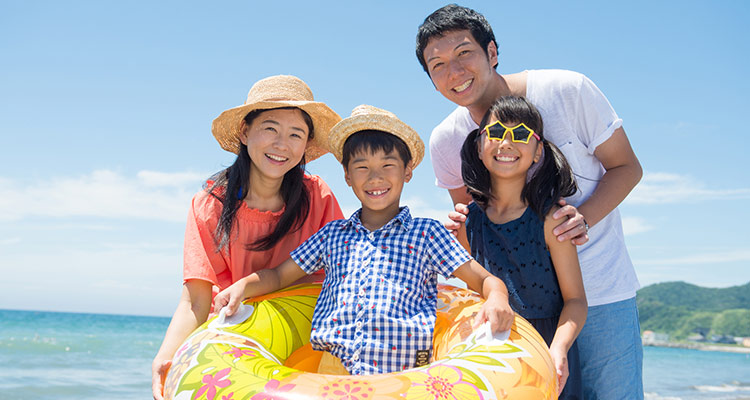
column 348, row 126
column 226, row 128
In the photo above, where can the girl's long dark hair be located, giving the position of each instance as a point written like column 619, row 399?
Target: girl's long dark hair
column 551, row 181
column 232, row 185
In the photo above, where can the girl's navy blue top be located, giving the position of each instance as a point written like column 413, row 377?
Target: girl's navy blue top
column 517, row 253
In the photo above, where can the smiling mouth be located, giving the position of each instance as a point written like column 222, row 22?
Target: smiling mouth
column 276, row 158
column 464, row 86
column 378, row 192
column 505, row 158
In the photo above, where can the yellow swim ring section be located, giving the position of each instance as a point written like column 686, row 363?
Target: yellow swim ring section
column 264, row 353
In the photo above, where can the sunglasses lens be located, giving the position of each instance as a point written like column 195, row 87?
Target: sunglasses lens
column 495, row 132
column 521, row 134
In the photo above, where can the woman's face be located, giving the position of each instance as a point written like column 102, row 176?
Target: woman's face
column 276, row 141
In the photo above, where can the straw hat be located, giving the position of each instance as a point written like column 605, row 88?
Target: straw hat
column 276, row 92
column 366, row 117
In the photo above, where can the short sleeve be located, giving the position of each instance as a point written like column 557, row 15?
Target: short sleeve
column 596, row 120
column 447, row 176
column 309, row 255
column 445, row 253
column 324, row 207
column 200, row 258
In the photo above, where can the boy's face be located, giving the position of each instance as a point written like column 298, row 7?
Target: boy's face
column 377, row 179
column 459, row 67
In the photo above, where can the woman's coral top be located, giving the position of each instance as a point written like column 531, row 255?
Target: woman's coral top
column 202, row 261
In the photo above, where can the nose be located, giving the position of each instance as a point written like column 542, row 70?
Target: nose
column 281, row 142
column 455, row 67
column 375, row 175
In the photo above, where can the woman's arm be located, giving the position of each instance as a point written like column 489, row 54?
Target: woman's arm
column 191, row 312
column 258, row 283
column 573, row 315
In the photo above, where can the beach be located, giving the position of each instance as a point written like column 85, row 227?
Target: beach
column 50, row 355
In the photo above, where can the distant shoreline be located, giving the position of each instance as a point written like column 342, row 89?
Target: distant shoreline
column 700, row 346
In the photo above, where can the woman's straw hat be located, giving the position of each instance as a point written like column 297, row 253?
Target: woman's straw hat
column 366, row 117
column 276, row 92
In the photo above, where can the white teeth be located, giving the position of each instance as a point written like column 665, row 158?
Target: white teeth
column 378, row 192
column 505, row 158
column 276, row 158
column 464, row 86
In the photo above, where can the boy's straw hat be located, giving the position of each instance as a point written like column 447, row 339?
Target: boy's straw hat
column 366, row 117
column 276, row 92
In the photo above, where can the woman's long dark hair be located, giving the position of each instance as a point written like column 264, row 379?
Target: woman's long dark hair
column 234, row 182
column 551, row 181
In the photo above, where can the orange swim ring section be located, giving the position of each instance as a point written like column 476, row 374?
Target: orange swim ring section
column 264, row 353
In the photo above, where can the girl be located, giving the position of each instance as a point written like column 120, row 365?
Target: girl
column 251, row 215
column 515, row 178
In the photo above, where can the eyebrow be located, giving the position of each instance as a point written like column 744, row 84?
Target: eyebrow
column 465, row 43
column 274, row 122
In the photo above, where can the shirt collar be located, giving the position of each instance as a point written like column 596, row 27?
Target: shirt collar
column 403, row 218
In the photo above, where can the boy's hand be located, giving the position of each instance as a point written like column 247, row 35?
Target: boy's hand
column 497, row 311
column 560, row 359
column 230, row 298
column 457, row 218
column 573, row 228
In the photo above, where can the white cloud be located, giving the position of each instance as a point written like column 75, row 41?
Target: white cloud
column 635, row 225
column 710, row 258
column 102, row 193
column 662, row 188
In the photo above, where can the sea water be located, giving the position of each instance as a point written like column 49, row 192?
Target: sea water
column 50, row 355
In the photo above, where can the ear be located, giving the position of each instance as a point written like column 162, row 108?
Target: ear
column 243, row 132
column 492, row 53
column 538, row 153
column 346, row 176
column 408, row 174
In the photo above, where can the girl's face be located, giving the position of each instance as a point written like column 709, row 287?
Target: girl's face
column 276, row 141
column 506, row 158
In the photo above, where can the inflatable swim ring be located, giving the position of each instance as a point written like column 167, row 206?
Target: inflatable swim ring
column 263, row 353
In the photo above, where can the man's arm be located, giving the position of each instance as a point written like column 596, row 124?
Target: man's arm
column 623, row 173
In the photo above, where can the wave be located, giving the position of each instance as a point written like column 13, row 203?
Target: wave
column 733, row 387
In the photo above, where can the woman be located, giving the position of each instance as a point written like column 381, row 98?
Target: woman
column 251, row 215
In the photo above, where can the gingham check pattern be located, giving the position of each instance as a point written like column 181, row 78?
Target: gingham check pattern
column 377, row 307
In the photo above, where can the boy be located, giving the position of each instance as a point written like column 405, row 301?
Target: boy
column 457, row 49
column 376, row 311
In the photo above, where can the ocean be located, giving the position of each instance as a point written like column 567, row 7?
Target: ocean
column 51, row 355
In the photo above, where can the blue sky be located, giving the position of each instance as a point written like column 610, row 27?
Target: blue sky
column 106, row 108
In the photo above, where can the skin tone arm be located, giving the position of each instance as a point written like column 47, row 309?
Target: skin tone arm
column 575, row 307
column 623, row 173
column 496, row 309
column 257, row 284
column 191, row 312
column 571, row 228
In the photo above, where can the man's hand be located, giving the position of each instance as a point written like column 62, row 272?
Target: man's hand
column 573, row 228
column 457, row 218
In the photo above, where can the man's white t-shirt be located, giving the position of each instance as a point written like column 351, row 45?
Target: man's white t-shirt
column 577, row 118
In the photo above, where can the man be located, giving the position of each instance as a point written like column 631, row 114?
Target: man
column 457, row 49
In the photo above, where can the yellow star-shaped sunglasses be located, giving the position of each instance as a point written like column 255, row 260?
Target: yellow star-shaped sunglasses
column 519, row 133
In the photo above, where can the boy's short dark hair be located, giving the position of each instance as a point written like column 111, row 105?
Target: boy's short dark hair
column 372, row 141
column 453, row 18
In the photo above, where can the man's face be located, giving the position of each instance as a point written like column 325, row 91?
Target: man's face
column 459, row 67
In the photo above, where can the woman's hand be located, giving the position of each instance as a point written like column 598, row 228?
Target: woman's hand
column 159, row 369
column 231, row 297
column 560, row 359
column 497, row 311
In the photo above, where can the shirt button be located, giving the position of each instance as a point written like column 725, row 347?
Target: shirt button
column 371, row 236
column 361, row 292
column 355, row 357
column 359, row 324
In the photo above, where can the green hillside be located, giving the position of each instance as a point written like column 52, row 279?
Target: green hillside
column 681, row 309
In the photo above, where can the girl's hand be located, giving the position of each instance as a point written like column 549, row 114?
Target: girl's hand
column 230, row 298
column 560, row 359
column 497, row 311
column 159, row 370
